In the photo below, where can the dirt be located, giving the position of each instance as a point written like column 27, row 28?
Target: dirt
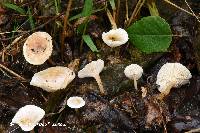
column 123, row 109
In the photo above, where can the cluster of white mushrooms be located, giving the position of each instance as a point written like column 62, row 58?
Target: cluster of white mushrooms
column 38, row 48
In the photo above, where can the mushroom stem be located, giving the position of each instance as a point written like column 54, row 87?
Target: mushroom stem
column 167, row 89
column 117, row 51
column 101, row 88
column 135, row 83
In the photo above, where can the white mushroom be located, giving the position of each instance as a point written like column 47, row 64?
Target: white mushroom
column 92, row 70
column 115, row 37
column 75, row 102
column 172, row 75
column 53, row 79
column 37, row 48
column 28, row 116
column 133, row 72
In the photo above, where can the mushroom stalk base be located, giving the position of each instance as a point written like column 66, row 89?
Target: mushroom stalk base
column 166, row 92
column 135, row 83
column 101, row 88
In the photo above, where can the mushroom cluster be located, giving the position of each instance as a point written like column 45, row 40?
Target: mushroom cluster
column 38, row 48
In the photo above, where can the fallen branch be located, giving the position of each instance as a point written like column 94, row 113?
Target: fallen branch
column 12, row 72
column 65, row 27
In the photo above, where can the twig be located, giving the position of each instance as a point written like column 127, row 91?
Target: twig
column 127, row 10
column 12, row 72
column 26, row 32
column 4, row 72
column 192, row 11
column 116, row 15
column 179, row 8
column 194, row 131
column 136, row 10
column 10, row 45
column 65, row 27
column 112, row 21
column 8, row 32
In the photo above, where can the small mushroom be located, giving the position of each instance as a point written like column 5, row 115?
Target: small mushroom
column 75, row 102
column 92, row 70
column 53, row 78
column 172, row 75
column 115, row 37
column 38, row 48
column 133, row 72
column 28, row 116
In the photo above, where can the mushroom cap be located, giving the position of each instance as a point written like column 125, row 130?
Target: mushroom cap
column 38, row 48
column 174, row 74
column 115, row 37
column 92, row 69
column 53, row 78
column 133, row 71
column 75, row 102
column 28, row 116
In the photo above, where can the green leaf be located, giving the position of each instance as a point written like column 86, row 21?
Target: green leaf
column 80, row 28
column 87, row 9
column 81, row 14
column 112, row 3
column 87, row 39
column 75, row 17
column 150, row 34
column 152, row 7
column 15, row 7
column 30, row 18
column 57, row 6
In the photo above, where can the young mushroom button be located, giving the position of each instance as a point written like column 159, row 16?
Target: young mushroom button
column 92, row 70
column 115, row 37
column 75, row 102
column 37, row 48
column 172, row 75
column 133, row 72
column 28, row 116
column 53, row 78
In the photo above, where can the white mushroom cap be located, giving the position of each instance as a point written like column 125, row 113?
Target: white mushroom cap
column 172, row 74
column 28, row 116
column 133, row 71
column 92, row 69
column 75, row 102
column 37, row 48
column 115, row 37
column 53, row 78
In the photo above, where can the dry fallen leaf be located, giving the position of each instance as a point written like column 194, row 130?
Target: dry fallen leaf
column 144, row 91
